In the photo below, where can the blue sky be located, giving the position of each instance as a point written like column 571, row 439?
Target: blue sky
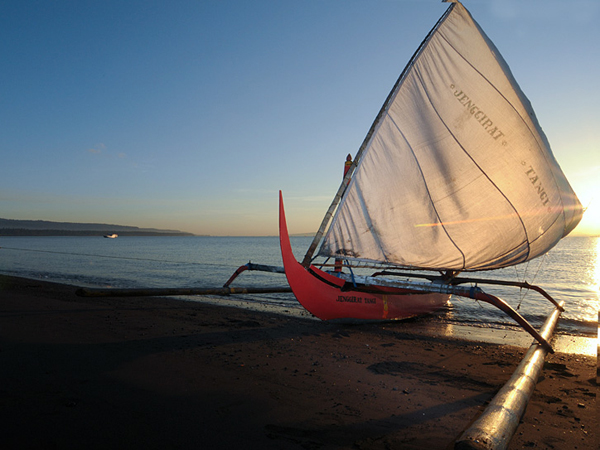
column 191, row 115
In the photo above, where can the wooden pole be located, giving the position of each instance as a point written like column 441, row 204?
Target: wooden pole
column 497, row 424
column 252, row 266
column 165, row 292
column 347, row 165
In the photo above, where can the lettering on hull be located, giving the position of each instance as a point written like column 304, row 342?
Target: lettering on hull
column 355, row 299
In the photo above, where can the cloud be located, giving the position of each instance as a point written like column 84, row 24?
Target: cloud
column 99, row 149
column 587, row 172
column 96, row 149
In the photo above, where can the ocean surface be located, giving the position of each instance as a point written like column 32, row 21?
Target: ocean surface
column 569, row 272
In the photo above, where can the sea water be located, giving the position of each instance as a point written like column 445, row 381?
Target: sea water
column 569, row 272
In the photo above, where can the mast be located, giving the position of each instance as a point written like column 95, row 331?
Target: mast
column 338, row 196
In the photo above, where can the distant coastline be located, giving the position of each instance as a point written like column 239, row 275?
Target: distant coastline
column 25, row 232
column 10, row 227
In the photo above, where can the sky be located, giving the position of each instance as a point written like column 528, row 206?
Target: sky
column 192, row 115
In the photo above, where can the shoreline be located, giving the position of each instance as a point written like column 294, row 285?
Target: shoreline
column 154, row 373
column 581, row 343
column 562, row 342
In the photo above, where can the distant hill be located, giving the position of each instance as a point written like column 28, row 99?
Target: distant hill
column 10, row 227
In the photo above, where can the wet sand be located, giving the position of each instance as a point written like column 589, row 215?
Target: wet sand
column 159, row 373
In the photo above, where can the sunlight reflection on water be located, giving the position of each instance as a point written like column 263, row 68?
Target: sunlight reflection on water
column 595, row 275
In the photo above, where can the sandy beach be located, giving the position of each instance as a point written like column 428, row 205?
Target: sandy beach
column 160, row 373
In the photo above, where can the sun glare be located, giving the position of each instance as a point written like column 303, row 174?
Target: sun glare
column 590, row 222
column 596, row 281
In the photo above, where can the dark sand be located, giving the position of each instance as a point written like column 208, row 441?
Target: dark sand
column 159, row 373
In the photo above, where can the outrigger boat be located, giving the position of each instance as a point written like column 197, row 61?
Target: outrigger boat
column 455, row 175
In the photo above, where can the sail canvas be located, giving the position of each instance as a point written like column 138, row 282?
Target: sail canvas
column 456, row 174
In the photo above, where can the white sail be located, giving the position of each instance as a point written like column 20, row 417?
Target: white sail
column 457, row 173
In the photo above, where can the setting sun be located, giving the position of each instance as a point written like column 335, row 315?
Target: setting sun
column 590, row 222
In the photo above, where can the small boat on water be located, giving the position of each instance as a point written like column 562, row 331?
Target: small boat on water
column 454, row 175
column 111, row 236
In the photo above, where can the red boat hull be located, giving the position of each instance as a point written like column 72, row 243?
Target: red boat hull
column 329, row 297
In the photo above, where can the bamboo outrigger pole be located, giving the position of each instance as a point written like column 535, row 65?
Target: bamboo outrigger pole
column 165, row 292
column 497, row 424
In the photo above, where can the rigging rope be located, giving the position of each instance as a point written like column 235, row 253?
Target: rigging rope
column 523, row 293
